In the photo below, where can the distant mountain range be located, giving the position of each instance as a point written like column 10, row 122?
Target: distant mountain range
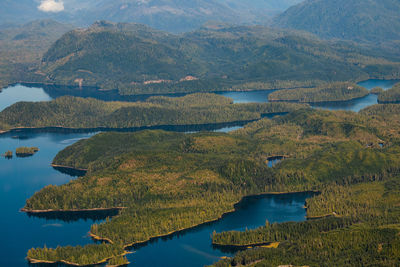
column 170, row 15
column 137, row 59
column 358, row 20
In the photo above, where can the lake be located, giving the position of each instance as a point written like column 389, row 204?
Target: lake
column 20, row 178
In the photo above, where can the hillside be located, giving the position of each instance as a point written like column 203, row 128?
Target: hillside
column 139, row 60
column 358, row 20
column 75, row 112
column 22, row 47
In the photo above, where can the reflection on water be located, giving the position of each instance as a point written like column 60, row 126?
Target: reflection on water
column 74, row 216
column 248, row 96
column 70, row 171
column 27, row 133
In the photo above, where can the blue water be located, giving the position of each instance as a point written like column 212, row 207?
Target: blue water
column 16, row 93
column 194, row 248
column 248, row 96
column 384, row 84
column 20, row 178
column 353, row 105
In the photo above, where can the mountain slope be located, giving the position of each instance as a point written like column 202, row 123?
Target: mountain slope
column 23, row 46
column 137, row 59
column 359, row 20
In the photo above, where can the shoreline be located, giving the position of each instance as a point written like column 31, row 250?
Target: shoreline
column 318, row 102
column 132, row 129
column 36, row 261
column 99, row 238
column 249, row 245
column 68, row 167
column 75, row 87
column 71, row 210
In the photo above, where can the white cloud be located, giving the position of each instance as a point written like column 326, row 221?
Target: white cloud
column 51, row 6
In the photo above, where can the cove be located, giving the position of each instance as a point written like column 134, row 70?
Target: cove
column 193, row 247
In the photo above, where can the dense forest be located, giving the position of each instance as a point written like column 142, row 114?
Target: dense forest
column 363, row 230
column 136, row 59
column 325, row 93
column 75, row 112
column 390, row 96
column 170, row 181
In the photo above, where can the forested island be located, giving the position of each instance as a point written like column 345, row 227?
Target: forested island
column 89, row 113
column 172, row 181
column 26, row 151
column 333, row 92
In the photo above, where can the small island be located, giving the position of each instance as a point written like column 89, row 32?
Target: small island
column 23, row 152
column 333, row 92
column 8, row 154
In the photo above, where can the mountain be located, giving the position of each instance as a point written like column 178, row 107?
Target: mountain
column 22, row 47
column 169, row 15
column 137, row 59
column 358, row 20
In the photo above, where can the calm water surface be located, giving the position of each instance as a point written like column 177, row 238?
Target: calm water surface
column 353, row 105
column 20, row 178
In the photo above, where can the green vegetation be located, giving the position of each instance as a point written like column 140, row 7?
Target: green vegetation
column 364, row 230
column 89, row 254
column 138, row 60
column 390, row 96
column 326, row 93
column 171, row 181
column 26, row 151
column 74, row 112
column 377, row 90
column 118, row 261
